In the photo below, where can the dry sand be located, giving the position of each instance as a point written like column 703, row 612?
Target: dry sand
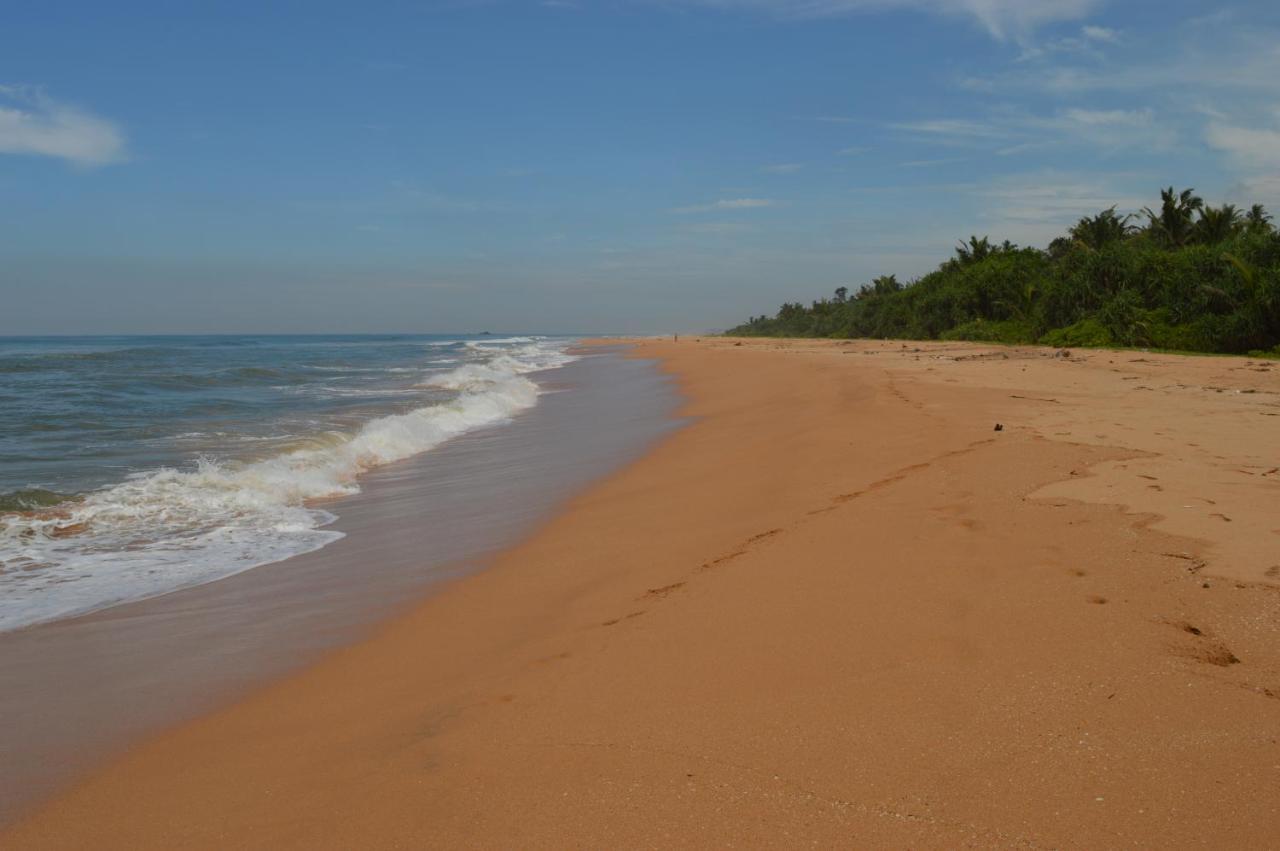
column 838, row 608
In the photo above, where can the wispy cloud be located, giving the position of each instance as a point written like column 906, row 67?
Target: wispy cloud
column 1234, row 60
column 931, row 163
column 1255, row 151
column 727, row 204
column 35, row 124
column 1109, row 117
column 1103, row 34
column 783, row 168
column 1002, row 19
column 1057, row 198
column 1250, row 146
column 853, row 151
column 1009, row 131
column 1264, row 189
column 1106, row 130
column 1035, row 207
column 951, row 128
column 1089, row 43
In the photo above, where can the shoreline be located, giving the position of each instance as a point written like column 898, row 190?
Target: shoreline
column 835, row 607
column 148, row 664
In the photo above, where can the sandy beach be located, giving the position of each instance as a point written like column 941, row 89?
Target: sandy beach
column 838, row 608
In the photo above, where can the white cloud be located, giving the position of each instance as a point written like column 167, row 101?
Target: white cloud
column 1002, row 19
column 34, row 124
column 727, row 204
column 784, row 168
column 1007, row 131
column 1247, row 145
column 1105, row 129
column 951, row 127
column 1109, row 117
column 1055, row 198
column 1236, row 61
column 1086, row 45
column 1260, row 189
column 931, row 163
column 1254, row 149
column 1033, row 208
column 1103, row 34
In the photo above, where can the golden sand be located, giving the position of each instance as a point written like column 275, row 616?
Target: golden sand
column 838, row 608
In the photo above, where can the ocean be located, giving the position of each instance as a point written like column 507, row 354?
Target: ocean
column 135, row 466
column 356, row 474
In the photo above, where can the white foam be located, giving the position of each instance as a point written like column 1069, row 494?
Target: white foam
column 168, row 529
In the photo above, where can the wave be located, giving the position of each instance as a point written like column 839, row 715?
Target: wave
column 31, row 499
column 172, row 528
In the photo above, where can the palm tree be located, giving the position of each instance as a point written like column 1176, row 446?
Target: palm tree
column 1173, row 224
column 974, row 250
column 1102, row 229
column 1217, row 224
column 1258, row 220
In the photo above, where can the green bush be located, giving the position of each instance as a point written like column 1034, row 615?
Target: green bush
column 1083, row 334
column 1011, row 331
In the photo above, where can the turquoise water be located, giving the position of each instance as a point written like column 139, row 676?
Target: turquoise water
column 132, row 466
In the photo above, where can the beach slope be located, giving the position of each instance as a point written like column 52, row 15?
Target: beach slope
column 838, row 607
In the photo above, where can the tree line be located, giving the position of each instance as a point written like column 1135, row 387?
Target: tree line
column 1184, row 276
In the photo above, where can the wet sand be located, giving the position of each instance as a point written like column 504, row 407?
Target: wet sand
column 134, row 668
column 838, row 607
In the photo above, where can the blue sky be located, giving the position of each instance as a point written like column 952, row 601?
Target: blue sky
column 572, row 165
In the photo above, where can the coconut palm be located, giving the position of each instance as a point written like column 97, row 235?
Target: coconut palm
column 1102, row 229
column 1217, row 224
column 973, row 251
column 1173, row 225
column 1258, row 220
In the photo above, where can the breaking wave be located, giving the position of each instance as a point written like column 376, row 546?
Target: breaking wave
column 169, row 528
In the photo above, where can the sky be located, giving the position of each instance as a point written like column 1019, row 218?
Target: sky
column 592, row 166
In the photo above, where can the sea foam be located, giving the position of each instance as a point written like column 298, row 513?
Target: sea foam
column 166, row 529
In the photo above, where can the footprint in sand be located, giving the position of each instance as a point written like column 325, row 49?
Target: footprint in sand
column 659, row 593
column 1204, row 647
column 626, row 617
column 1211, row 653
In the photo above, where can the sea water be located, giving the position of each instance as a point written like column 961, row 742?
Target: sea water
column 135, row 466
column 75, row 691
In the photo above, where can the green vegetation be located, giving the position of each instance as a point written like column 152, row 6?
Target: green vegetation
column 1192, row 278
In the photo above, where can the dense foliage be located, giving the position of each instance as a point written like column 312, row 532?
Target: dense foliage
column 1190, row 277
